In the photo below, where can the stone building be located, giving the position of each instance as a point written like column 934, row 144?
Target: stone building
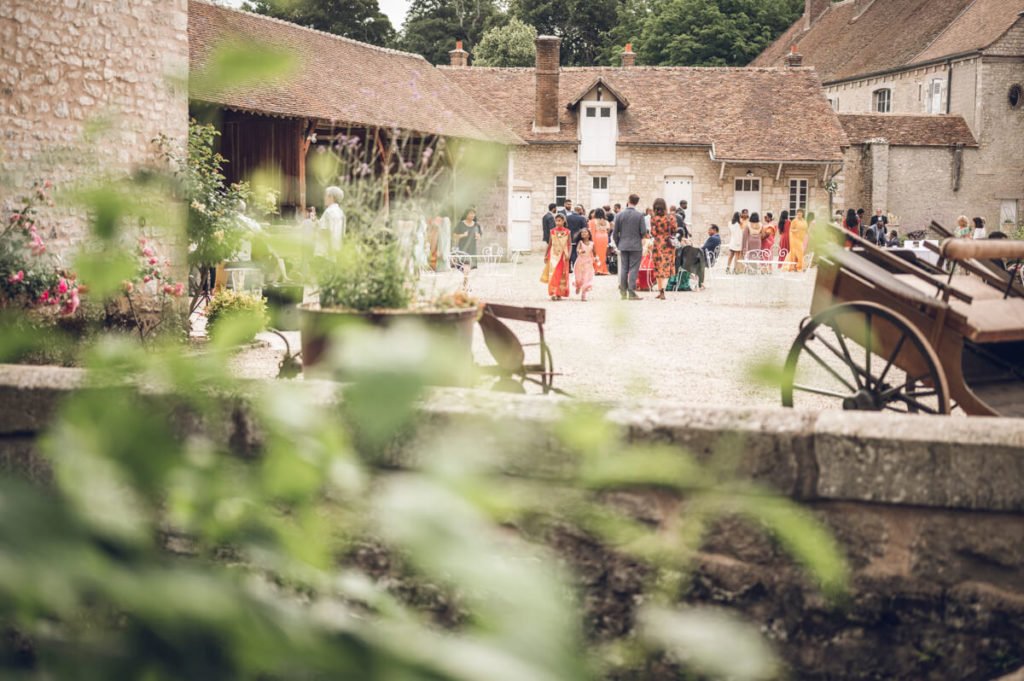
column 912, row 64
column 85, row 86
column 723, row 139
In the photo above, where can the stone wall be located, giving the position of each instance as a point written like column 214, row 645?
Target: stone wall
column 642, row 170
column 109, row 69
column 920, row 187
column 929, row 512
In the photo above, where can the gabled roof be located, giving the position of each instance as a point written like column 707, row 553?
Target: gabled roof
column 600, row 80
column 908, row 130
column 744, row 114
column 851, row 38
column 338, row 79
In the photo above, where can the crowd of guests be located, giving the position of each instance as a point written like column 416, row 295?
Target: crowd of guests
column 623, row 241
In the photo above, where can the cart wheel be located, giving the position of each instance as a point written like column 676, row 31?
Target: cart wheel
column 868, row 358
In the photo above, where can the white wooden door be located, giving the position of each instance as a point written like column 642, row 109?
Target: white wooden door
column 597, row 133
column 519, row 230
column 747, row 194
column 680, row 189
column 599, row 192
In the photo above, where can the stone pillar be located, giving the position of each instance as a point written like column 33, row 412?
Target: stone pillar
column 879, row 175
column 459, row 57
column 547, row 72
column 628, row 56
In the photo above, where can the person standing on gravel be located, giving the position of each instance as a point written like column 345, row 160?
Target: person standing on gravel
column 630, row 228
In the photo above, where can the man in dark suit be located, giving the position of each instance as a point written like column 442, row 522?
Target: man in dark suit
column 576, row 224
column 628, row 231
column 683, row 232
column 548, row 222
column 879, row 217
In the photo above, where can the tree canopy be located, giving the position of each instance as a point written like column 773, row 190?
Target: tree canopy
column 583, row 25
column 357, row 19
column 432, row 26
column 508, row 45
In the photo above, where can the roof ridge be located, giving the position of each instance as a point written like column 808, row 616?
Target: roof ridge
column 941, row 33
column 266, row 17
column 899, row 114
column 516, row 69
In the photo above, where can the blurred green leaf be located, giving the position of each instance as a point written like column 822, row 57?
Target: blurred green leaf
column 234, row 65
column 710, row 641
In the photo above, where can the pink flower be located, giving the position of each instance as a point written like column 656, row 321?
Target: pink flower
column 47, row 184
column 142, row 242
column 15, row 278
column 179, row 289
column 41, row 192
column 168, row 288
column 152, row 261
column 43, row 298
column 62, row 286
column 52, row 301
column 128, row 286
column 145, row 279
column 15, row 217
column 147, row 252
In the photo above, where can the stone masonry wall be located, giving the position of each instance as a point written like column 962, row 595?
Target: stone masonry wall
column 920, row 188
column 928, row 510
column 114, row 70
column 642, row 170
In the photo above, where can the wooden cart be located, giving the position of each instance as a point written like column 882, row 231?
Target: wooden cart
column 890, row 334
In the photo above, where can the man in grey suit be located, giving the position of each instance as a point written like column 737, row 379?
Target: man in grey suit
column 629, row 229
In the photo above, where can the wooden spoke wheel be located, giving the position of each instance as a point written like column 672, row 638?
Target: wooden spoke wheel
column 864, row 357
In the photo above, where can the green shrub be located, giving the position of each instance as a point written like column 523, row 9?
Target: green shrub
column 367, row 275
column 244, row 314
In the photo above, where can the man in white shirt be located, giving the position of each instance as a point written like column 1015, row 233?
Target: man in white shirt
column 332, row 223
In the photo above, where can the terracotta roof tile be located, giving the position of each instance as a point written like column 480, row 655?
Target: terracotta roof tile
column 339, row 79
column 979, row 26
column 845, row 42
column 910, row 130
column 745, row 114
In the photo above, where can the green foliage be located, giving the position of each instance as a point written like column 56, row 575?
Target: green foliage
column 368, row 274
column 713, row 32
column 432, row 27
column 212, row 228
column 583, row 25
column 508, row 45
column 244, row 314
column 357, row 19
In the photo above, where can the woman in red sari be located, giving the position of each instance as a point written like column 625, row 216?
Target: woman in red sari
column 556, row 262
column 599, row 231
column 783, row 236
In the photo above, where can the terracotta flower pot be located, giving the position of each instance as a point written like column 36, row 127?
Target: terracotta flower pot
column 318, row 324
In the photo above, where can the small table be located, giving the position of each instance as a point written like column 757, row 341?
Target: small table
column 243, row 273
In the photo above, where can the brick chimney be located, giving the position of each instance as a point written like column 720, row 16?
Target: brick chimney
column 794, row 58
column 459, row 57
column 547, row 70
column 628, row 56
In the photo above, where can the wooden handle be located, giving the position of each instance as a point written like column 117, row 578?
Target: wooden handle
column 961, row 249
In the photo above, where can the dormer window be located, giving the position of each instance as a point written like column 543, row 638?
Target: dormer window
column 598, row 132
column 882, row 100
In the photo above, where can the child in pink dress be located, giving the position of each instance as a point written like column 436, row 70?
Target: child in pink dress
column 585, row 264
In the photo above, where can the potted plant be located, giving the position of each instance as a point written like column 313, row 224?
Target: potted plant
column 371, row 276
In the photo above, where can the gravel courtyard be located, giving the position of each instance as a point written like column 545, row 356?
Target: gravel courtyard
column 698, row 347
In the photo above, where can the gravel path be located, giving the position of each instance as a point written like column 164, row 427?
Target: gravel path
column 697, row 348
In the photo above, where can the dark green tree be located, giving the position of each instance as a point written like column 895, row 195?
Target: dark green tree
column 713, row 32
column 357, row 19
column 628, row 28
column 584, row 26
column 432, row 26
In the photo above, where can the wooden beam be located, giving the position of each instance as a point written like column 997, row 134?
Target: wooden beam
column 306, row 128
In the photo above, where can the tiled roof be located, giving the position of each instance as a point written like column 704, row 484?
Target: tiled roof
column 338, row 79
column 910, row 130
column 745, row 114
column 855, row 38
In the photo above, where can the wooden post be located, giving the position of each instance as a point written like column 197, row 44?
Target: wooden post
column 306, row 128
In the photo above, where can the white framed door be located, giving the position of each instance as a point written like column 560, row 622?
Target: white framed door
column 747, row 194
column 519, row 229
column 599, row 192
column 680, row 189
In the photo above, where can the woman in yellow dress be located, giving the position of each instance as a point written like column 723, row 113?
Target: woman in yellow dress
column 556, row 262
column 797, row 240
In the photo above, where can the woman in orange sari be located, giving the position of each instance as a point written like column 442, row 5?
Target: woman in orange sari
column 797, row 240
column 556, row 262
column 599, row 231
